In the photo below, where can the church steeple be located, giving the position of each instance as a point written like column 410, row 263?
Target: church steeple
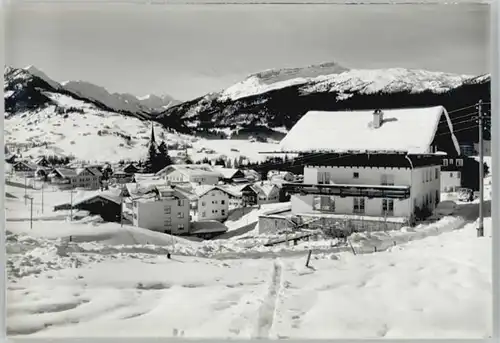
column 152, row 140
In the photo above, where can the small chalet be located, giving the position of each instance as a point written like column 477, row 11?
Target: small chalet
column 42, row 162
column 230, row 175
column 260, row 193
column 105, row 204
column 25, row 167
column 278, row 176
column 369, row 166
column 88, row 177
column 459, row 172
column 130, row 168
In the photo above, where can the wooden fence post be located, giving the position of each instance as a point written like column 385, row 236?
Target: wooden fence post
column 308, row 258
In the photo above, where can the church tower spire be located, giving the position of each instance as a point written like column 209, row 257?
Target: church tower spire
column 152, row 140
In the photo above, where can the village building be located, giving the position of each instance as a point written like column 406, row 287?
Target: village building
column 207, row 202
column 260, row 193
column 202, row 174
column 459, row 172
column 252, row 175
column 24, row 168
column 42, row 162
column 369, row 167
column 104, row 204
column 278, row 176
column 164, row 210
column 235, row 194
column 230, row 175
column 88, row 178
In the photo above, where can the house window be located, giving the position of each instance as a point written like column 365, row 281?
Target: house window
column 180, row 215
column 214, row 202
column 437, row 197
column 223, row 212
column 355, row 175
column 437, row 173
column 324, row 203
column 213, row 194
column 388, row 207
column 459, row 175
column 180, row 226
column 359, row 205
column 222, row 202
column 450, row 161
column 167, row 210
column 135, row 215
column 445, row 162
column 167, row 221
column 203, row 203
column 459, row 162
column 180, row 202
column 135, row 203
column 203, row 214
column 387, row 180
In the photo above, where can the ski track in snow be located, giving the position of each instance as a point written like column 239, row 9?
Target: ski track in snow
column 267, row 311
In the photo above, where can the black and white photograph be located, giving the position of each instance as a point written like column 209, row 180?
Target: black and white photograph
column 237, row 171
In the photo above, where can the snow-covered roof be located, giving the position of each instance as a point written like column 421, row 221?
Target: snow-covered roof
column 208, row 226
column 234, row 190
column 265, row 188
column 66, row 172
column 192, row 170
column 227, row 173
column 195, row 191
column 410, row 130
column 27, row 164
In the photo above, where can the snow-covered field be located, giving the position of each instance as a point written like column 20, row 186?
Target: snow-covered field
column 432, row 281
column 438, row 287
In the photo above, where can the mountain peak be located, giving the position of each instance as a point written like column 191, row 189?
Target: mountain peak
column 40, row 74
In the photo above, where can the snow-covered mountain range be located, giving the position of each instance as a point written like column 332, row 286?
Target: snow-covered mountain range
column 278, row 98
column 123, row 103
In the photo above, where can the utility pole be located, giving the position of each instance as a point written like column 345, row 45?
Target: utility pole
column 71, row 206
column 121, row 211
column 42, row 195
column 480, row 229
column 25, row 190
column 31, row 212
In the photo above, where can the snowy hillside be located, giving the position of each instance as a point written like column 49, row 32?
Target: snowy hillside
column 73, row 127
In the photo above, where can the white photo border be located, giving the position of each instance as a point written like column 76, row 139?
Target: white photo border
column 495, row 151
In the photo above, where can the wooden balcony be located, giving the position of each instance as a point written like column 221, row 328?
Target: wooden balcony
column 342, row 190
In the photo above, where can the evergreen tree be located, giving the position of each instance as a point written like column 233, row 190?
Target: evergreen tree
column 164, row 159
column 151, row 162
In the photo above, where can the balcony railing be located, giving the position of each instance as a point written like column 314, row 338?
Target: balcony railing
column 368, row 191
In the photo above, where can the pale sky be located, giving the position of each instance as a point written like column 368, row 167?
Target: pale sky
column 187, row 51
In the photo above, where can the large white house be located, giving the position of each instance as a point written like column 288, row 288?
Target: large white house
column 198, row 173
column 164, row 210
column 208, row 202
column 371, row 165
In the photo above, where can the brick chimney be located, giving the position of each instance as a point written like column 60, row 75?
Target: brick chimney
column 378, row 118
